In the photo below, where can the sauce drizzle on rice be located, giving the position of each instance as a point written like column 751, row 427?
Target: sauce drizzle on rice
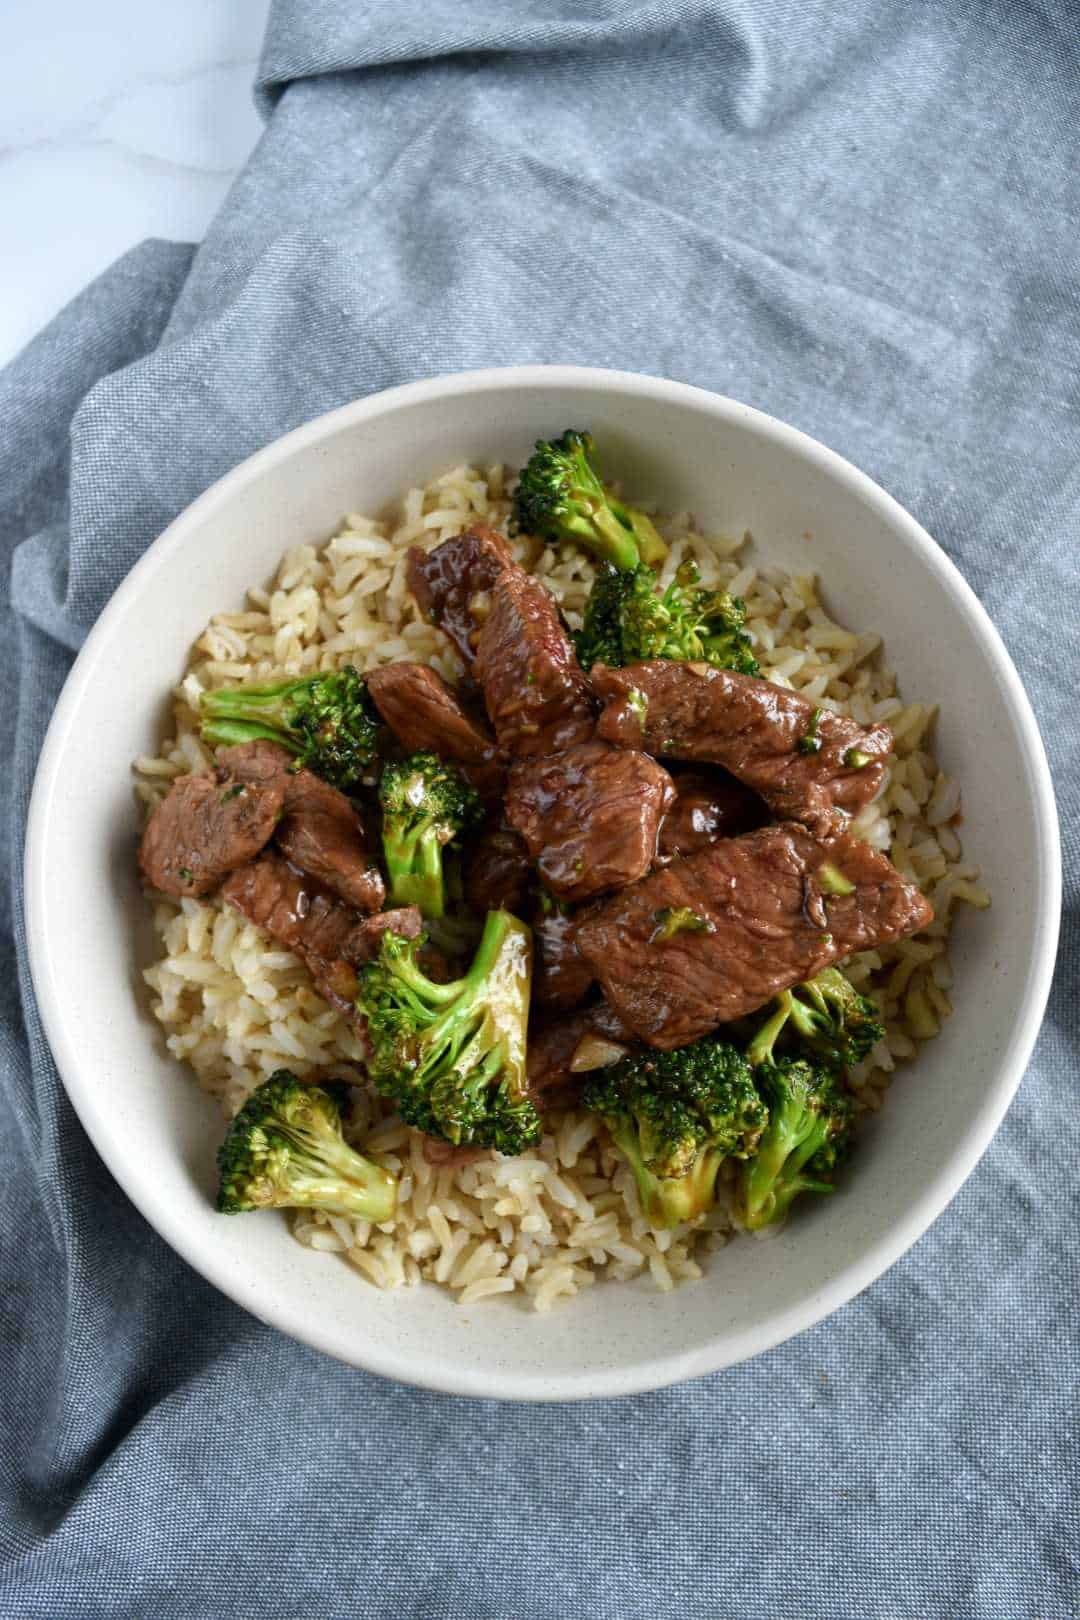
column 235, row 1007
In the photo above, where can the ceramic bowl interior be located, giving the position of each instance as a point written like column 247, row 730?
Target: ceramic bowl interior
column 737, row 470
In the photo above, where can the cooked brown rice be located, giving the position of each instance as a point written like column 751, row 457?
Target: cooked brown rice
column 235, row 1007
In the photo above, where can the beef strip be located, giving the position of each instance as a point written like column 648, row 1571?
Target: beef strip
column 752, row 728
column 553, row 1042
column 329, row 937
column 284, row 903
column 320, row 832
column 205, row 827
column 448, row 581
column 561, row 976
column 769, row 920
column 319, row 838
column 424, row 712
column 589, row 815
column 536, row 694
column 497, row 870
column 262, row 761
column 707, row 808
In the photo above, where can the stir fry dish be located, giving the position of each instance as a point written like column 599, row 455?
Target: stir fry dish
column 611, row 867
column 540, row 895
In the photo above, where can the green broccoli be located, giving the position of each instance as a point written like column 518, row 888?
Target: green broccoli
column 672, row 920
column 452, row 1056
column 326, row 721
column 676, row 1116
column 826, row 1014
column 285, row 1150
column 560, row 497
column 627, row 621
column 806, row 1138
column 810, row 742
column 615, row 592
column 426, row 805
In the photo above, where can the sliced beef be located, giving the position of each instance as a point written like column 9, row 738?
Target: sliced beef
column 262, row 761
column 205, row 827
column 536, row 694
column 321, row 832
column 554, row 1041
column 323, row 835
column 590, row 816
column 329, row 937
column 802, row 759
column 285, row 904
column 765, row 914
column 707, row 808
column 452, row 583
column 424, row 712
column 561, row 976
column 497, row 869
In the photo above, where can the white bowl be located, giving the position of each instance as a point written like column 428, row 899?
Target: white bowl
column 736, row 469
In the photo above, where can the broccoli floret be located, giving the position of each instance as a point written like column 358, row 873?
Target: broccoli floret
column 806, row 1138
column 426, row 805
column 285, row 1150
column 622, row 608
column 826, row 1014
column 560, row 497
column 452, row 1056
column 676, row 1116
column 327, row 722
column 627, row 621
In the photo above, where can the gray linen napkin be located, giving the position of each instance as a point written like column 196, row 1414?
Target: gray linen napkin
column 864, row 219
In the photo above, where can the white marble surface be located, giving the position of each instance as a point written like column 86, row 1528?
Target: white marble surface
column 118, row 120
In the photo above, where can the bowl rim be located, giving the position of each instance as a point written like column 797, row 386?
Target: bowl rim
column 669, row 1368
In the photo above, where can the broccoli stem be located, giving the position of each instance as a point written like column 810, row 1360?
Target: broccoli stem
column 616, row 542
column 760, row 1049
column 773, row 1179
column 651, row 547
column 326, row 1174
column 498, row 927
column 225, row 733
column 414, row 865
column 487, row 973
column 491, row 978
column 426, row 806
column 667, row 1201
column 429, row 991
column 274, row 703
column 789, row 1009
